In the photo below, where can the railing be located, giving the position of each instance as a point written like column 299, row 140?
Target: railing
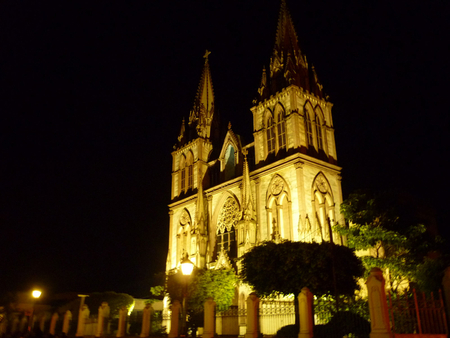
column 415, row 313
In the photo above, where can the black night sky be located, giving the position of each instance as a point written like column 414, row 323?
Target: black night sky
column 91, row 100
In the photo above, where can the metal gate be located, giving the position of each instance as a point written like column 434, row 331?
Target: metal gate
column 416, row 315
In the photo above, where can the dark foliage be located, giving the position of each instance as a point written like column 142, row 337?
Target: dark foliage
column 287, row 267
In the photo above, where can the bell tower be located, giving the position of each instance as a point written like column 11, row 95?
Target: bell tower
column 191, row 152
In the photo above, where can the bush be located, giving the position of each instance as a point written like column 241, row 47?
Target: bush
column 342, row 324
column 288, row 331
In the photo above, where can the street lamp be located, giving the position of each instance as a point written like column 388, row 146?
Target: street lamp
column 35, row 294
column 186, row 269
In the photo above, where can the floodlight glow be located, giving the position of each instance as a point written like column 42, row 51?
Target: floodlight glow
column 36, row 293
column 187, row 266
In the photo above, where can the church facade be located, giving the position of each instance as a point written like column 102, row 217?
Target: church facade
column 227, row 195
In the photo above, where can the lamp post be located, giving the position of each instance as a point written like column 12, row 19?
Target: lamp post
column 35, row 294
column 186, row 269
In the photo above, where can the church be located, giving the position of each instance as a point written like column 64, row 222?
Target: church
column 227, row 195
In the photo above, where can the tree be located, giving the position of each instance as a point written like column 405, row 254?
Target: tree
column 391, row 228
column 280, row 269
column 219, row 284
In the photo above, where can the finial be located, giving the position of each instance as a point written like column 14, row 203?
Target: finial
column 207, row 52
column 244, row 152
column 229, row 125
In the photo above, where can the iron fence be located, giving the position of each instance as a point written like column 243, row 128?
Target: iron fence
column 417, row 313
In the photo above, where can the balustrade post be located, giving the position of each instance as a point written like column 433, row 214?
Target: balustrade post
column 210, row 306
column 305, row 301
column 174, row 319
column 252, row 316
column 379, row 315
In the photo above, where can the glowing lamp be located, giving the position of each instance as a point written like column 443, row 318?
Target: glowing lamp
column 36, row 293
column 186, row 266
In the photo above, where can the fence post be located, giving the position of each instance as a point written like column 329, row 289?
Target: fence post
column 82, row 316
column 210, row 306
column 305, row 300
column 53, row 323
column 146, row 320
column 252, row 316
column 446, row 288
column 66, row 322
column 122, row 322
column 379, row 316
column 174, row 317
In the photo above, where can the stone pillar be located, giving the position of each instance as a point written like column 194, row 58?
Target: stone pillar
column 446, row 289
column 146, row 320
column 305, row 302
column 82, row 316
column 66, row 322
column 379, row 316
column 81, row 319
column 252, row 316
column 103, row 314
column 55, row 318
column 122, row 322
column 210, row 306
column 174, row 319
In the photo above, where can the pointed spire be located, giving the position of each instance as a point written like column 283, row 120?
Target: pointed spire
column 288, row 65
column 247, row 198
column 203, row 110
column 182, row 131
column 286, row 39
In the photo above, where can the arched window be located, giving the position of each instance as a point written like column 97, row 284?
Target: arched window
column 184, row 235
column 226, row 224
column 186, row 172
column 324, row 210
column 270, row 135
column 319, row 133
column 190, row 171
column 281, row 129
column 308, row 128
column 229, row 162
column 278, row 210
column 182, row 173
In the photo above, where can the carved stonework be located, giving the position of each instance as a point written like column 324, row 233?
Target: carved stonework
column 277, row 186
column 184, row 219
column 229, row 215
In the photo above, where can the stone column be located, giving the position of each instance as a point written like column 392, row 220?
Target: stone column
column 174, row 319
column 446, row 289
column 379, row 316
column 66, row 322
column 53, row 323
column 305, row 301
column 259, row 237
column 146, row 320
column 81, row 319
column 103, row 314
column 210, row 306
column 122, row 322
column 83, row 315
column 252, row 316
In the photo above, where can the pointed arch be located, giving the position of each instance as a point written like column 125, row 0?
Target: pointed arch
column 319, row 121
column 184, row 234
column 279, row 209
column 308, row 112
column 269, row 120
column 323, row 208
column 225, row 217
column 280, row 126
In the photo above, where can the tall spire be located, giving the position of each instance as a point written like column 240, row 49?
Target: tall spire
column 247, row 199
column 288, row 65
column 203, row 111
